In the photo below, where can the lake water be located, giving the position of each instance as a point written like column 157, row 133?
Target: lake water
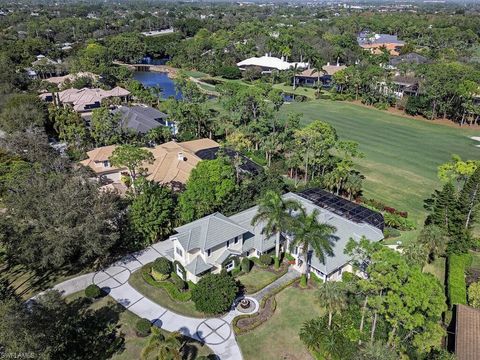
column 158, row 79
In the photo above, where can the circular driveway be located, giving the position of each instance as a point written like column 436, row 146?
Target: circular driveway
column 214, row 331
column 113, row 277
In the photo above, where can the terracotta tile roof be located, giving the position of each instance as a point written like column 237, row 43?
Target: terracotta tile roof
column 326, row 70
column 467, row 333
column 173, row 161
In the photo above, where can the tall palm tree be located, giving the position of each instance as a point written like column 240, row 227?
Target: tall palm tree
column 274, row 213
column 333, row 295
column 311, row 237
column 163, row 348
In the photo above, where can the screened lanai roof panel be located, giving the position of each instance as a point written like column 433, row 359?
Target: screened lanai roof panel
column 343, row 207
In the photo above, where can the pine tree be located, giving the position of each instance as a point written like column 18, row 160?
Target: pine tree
column 468, row 200
column 442, row 207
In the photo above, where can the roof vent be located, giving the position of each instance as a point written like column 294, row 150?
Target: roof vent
column 181, row 156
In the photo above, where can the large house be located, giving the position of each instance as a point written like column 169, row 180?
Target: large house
column 141, row 118
column 85, row 100
column 268, row 63
column 376, row 42
column 467, row 333
column 216, row 242
column 310, row 77
column 173, row 162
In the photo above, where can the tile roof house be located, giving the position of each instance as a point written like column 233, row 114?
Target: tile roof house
column 84, row 100
column 216, row 242
column 310, row 77
column 410, row 58
column 374, row 42
column 142, row 119
column 172, row 165
column 467, row 333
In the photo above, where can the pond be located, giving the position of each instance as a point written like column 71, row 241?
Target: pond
column 158, row 79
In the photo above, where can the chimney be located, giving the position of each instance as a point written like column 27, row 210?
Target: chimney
column 181, row 157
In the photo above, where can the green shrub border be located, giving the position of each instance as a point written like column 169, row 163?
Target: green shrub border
column 456, row 284
column 240, row 331
column 172, row 291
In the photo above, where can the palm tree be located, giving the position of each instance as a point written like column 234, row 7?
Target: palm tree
column 163, row 348
column 274, row 213
column 308, row 233
column 333, row 295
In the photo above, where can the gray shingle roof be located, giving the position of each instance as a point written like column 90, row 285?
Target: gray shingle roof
column 208, row 232
column 141, row 118
column 225, row 255
column 198, row 266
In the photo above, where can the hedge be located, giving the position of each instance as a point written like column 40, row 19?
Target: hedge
column 93, row 291
column 456, row 285
column 169, row 287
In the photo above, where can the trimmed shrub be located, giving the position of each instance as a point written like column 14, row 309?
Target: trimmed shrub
column 246, row 265
column 214, row 293
column 161, row 269
column 389, row 232
column 265, row 259
column 178, row 282
column 143, row 327
column 235, row 271
column 289, row 257
column 456, row 284
column 93, row 291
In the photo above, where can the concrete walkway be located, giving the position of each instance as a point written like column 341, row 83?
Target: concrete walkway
column 281, row 281
column 217, row 333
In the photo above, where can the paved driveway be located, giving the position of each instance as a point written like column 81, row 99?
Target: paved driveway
column 215, row 332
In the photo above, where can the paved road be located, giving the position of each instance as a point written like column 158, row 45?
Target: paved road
column 217, row 333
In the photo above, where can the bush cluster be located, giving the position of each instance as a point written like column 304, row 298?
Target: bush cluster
column 161, row 269
column 214, row 293
column 265, row 259
column 143, row 327
column 93, row 291
column 246, row 265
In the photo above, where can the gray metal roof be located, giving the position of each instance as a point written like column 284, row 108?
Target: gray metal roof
column 141, row 118
column 225, row 255
column 369, row 38
column 346, row 230
column 198, row 266
column 208, row 232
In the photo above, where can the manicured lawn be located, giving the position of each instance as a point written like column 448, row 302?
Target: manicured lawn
column 304, row 91
column 161, row 297
column 256, row 279
column 401, row 154
column 278, row 337
column 133, row 344
column 437, row 268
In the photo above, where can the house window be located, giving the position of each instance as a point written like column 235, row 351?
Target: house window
column 208, row 252
column 236, row 239
column 295, row 252
column 179, row 251
column 230, row 265
column 228, row 243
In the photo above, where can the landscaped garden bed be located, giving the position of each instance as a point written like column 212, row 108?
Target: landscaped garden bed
column 165, row 292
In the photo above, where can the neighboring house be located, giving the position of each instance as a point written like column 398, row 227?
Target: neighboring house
column 268, row 63
column 44, row 68
column 467, row 333
column 410, row 58
column 142, row 118
column 405, row 85
column 85, row 100
column 217, row 242
column 310, row 77
column 375, row 42
column 172, row 165
column 173, row 162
